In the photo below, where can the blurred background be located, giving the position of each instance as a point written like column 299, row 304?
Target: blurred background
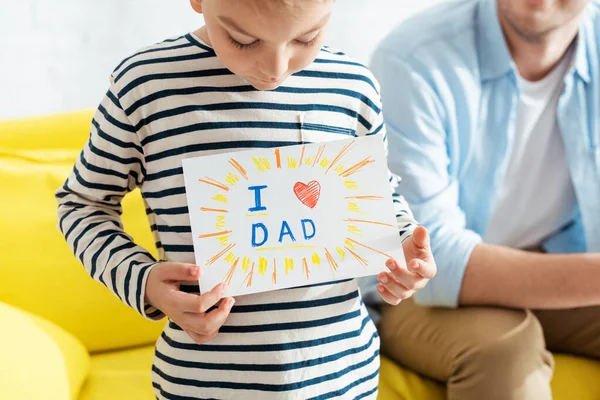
column 56, row 56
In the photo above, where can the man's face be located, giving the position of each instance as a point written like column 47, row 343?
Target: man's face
column 266, row 43
column 533, row 20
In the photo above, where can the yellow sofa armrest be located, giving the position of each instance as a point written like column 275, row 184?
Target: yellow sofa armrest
column 61, row 131
column 38, row 359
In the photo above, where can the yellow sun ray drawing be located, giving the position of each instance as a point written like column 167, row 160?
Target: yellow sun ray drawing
column 263, row 264
column 223, row 240
column 232, row 179
column 316, row 260
column 221, row 198
column 289, row 265
column 261, row 163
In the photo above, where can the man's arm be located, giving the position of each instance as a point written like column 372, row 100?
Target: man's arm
column 469, row 272
column 498, row 275
column 415, row 119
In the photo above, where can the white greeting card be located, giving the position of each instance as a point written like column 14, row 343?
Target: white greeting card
column 291, row 216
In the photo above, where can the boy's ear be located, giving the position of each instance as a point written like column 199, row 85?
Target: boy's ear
column 197, row 5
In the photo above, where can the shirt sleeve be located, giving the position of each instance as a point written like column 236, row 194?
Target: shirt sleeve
column 404, row 219
column 418, row 139
column 89, row 207
column 404, row 216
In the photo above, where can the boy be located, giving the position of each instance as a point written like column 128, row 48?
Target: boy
column 255, row 75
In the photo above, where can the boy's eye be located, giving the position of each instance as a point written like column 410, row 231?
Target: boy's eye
column 243, row 46
column 308, row 42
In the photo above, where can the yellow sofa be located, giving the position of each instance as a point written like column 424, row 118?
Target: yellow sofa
column 63, row 336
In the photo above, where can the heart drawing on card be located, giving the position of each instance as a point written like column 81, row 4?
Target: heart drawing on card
column 308, row 193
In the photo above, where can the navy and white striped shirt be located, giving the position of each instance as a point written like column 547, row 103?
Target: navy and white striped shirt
column 175, row 100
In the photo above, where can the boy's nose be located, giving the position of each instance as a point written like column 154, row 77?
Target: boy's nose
column 275, row 66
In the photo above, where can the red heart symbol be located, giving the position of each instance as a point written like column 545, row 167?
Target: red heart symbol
column 308, row 194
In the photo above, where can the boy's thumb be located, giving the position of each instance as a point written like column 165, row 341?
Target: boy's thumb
column 421, row 237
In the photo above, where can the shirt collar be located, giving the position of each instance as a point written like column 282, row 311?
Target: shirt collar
column 581, row 63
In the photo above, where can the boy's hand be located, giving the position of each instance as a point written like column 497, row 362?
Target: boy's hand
column 186, row 309
column 400, row 284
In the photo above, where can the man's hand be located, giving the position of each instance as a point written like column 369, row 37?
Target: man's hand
column 185, row 309
column 399, row 283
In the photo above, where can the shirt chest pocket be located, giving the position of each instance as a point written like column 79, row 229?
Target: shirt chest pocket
column 329, row 123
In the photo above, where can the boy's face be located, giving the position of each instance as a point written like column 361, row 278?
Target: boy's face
column 264, row 41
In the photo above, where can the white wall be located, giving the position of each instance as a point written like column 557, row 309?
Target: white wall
column 57, row 55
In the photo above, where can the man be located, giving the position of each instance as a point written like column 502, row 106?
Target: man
column 493, row 116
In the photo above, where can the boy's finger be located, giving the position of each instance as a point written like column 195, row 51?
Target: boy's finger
column 423, row 269
column 209, row 299
column 421, row 238
column 397, row 289
column 198, row 304
column 217, row 317
column 178, row 272
column 200, row 339
column 410, row 280
column 186, row 302
column 387, row 296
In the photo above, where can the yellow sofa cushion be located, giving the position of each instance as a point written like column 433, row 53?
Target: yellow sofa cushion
column 39, row 272
column 399, row 383
column 61, row 131
column 124, row 374
column 38, row 360
column 575, row 378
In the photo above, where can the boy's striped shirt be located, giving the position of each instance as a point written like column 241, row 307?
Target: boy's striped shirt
column 175, row 100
